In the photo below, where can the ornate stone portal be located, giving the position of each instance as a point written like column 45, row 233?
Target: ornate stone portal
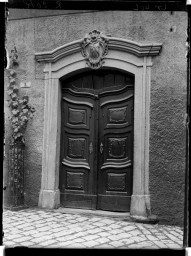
column 126, row 55
column 94, row 48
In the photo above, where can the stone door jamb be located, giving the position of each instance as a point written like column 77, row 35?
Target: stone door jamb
column 125, row 55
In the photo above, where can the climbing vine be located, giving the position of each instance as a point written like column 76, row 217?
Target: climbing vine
column 21, row 110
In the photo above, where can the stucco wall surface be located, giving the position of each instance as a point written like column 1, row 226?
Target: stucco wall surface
column 168, row 91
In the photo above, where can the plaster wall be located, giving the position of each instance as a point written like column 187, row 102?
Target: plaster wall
column 168, row 92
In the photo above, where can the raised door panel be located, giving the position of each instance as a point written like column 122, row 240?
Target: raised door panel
column 116, row 138
column 77, row 172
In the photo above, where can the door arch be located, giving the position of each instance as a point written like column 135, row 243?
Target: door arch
column 96, row 162
column 126, row 55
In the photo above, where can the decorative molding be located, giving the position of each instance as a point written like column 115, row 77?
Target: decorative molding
column 94, row 48
column 117, row 147
column 117, row 115
column 76, row 147
column 76, row 116
column 116, row 182
column 75, row 180
column 119, row 44
column 75, row 164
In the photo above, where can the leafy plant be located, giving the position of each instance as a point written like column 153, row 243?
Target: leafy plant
column 21, row 110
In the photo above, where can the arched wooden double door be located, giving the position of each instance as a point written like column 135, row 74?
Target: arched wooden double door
column 97, row 142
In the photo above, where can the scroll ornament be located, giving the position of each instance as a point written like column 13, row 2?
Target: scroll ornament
column 94, row 48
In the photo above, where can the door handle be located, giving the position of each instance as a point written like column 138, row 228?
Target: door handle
column 101, row 148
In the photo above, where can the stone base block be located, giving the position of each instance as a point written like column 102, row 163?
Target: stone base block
column 140, row 206
column 152, row 219
column 49, row 199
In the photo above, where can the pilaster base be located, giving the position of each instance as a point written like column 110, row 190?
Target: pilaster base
column 49, row 199
column 140, row 206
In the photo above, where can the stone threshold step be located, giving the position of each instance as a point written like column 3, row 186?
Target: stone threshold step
column 121, row 215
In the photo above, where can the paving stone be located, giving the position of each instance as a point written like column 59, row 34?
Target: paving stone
column 9, row 243
column 146, row 232
column 24, row 225
column 107, row 228
column 99, row 224
column 39, row 225
column 16, row 224
column 81, row 234
column 78, row 240
column 160, row 244
column 70, row 237
column 94, row 231
column 174, row 246
column 124, row 235
column 40, row 239
column 128, row 241
column 81, row 219
column 107, row 221
column 102, row 240
column 27, row 243
column 173, row 237
column 46, row 243
column 145, row 244
column 63, row 233
column 150, row 237
column 90, row 243
column 63, row 244
column 103, row 234
column 161, row 237
column 135, row 232
column 28, row 228
column 135, row 246
column 75, row 246
column 72, row 221
column 73, row 226
column 43, row 229
column 31, row 232
column 92, row 237
column 112, row 226
column 129, row 228
column 168, row 241
column 95, row 219
column 40, row 234
column 139, row 238
column 115, row 231
column 11, row 237
column 116, row 243
column 22, row 239
column 57, row 229
column 104, row 246
column 113, row 237
column 55, row 245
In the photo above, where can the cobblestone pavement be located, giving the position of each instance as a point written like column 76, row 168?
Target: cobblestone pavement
column 50, row 229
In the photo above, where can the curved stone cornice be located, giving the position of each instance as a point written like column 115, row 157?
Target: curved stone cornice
column 138, row 49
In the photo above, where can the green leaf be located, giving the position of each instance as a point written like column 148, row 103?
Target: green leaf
column 16, row 130
column 25, row 110
column 15, row 104
column 14, row 96
column 12, row 72
column 9, row 92
column 15, row 112
column 12, row 80
column 15, row 88
column 15, row 119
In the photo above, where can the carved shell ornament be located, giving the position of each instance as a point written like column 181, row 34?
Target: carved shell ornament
column 94, row 48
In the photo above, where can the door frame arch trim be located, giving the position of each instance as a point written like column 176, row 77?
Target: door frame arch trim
column 127, row 56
